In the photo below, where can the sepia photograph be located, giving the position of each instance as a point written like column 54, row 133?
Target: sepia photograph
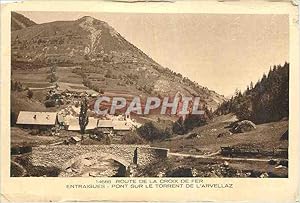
column 160, row 101
column 97, row 94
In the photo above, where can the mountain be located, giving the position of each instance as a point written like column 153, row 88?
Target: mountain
column 18, row 21
column 104, row 59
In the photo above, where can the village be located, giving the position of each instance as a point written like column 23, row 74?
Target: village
column 67, row 118
column 60, row 127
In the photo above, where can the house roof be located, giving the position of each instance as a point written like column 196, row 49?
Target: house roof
column 36, row 118
column 121, row 125
column 74, row 124
column 115, row 124
column 94, row 123
column 105, row 124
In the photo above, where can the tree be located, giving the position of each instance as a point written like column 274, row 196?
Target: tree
column 243, row 111
column 52, row 77
column 237, row 92
column 251, row 85
column 53, row 69
column 50, row 103
column 29, row 94
column 83, row 116
column 267, row 101
column 18, row 86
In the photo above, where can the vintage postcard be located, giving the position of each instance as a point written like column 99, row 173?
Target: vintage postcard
column 149, row 101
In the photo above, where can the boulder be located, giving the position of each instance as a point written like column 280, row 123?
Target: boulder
column 264, row 175
column 193, row 135
column 243, row 126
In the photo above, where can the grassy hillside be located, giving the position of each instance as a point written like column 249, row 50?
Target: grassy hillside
column 266, row 137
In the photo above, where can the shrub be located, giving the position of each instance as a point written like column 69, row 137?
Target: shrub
column 193, row 121
column 107, row 140
column 149, row 132
column 86, row 57
column 99, row 134
column 108, row 74
column 35, row 132
column 50, row 103
column 181, row 126
column 178, row 127
column 106, row 59
column 86, row 82
column 101, row 91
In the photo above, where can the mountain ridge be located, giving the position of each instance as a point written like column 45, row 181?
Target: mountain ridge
column 19, row 21
column 102, row 54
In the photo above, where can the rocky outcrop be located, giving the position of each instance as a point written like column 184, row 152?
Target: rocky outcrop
column 243, row 126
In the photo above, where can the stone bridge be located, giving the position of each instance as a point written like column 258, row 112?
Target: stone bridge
column 63, row 156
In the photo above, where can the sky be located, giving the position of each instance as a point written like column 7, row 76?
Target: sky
column 223, row 52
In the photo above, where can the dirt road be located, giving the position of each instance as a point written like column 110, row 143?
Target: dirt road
column 213, row 156
column 42, row 88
